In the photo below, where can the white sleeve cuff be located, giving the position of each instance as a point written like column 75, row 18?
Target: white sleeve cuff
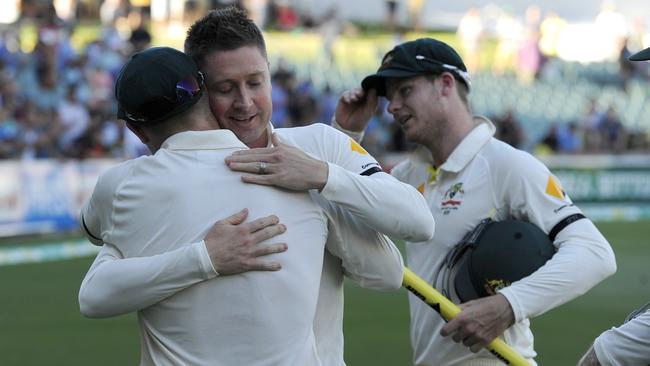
column 356, row 136
column 514, row 304
column 205, row 262
column 333, row 181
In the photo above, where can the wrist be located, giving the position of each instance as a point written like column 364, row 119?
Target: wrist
column 355, row 135
column 321, row 176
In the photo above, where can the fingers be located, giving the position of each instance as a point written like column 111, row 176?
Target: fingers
column 354, row 96
column 450, row 327
column 237, row 218
column 258, row 265
column 263, row 222
column 263, row 250
column 249, row 157
column 257, row 151
column 268, row 232
column 252, row 167
column 265, row 180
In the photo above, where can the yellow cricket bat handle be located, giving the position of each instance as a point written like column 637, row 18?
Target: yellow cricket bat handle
column 448, row 310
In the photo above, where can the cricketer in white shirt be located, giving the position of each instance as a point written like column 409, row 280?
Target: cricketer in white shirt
column 627, row 345
column 485, row 177
column 361, row 254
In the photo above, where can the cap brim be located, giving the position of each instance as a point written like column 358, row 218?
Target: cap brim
column 641, row 55
column 378, row 81
column 463, row 282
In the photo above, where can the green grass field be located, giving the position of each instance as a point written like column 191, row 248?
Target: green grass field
column 40, row 323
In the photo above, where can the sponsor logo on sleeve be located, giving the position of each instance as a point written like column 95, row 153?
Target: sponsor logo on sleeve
column 553, row 188
column 354, row 146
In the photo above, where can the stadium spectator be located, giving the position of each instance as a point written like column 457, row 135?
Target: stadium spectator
column 611, row 29
column 612, row 132
column 569, row 138
column 391, row 15
column 509, row 32
column 551, row 30
column 74, row 118
column 590, row 125
column 427, row 86
column 548, row 144
column 470, row 32
column 529, row 56
column 330, row 28
column 414, row 10
column 508, row 129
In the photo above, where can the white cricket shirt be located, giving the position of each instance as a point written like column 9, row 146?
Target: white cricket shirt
column 485, row 177
column 627, row 345
column 152, row 205
column 363, row 255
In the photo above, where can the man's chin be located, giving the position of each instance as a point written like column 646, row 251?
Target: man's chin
column 256, row 138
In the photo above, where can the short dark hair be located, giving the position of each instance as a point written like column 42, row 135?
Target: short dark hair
column 224, row 29
column 461, row 87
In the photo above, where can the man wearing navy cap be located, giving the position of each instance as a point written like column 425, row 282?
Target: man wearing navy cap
column 628, row 344
column 232, row 54
column 146, row 210
column 467, row 175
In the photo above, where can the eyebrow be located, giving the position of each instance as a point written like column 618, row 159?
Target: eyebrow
column 253, row 74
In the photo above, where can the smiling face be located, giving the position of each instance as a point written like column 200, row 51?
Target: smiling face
column 239, row 90
column 416, row 105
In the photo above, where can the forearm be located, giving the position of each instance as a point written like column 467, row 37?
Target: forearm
column 116, row 285
column 583, row 260
column 382, row 202
column 368, row 258
column 382, row 264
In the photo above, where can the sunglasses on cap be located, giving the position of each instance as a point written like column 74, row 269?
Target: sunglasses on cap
column 464, row 75
column 186, row 91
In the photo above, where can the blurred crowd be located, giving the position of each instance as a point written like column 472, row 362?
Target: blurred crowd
column 57, row 102
column 529, row 45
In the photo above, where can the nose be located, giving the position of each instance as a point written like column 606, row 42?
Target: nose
column 394, row 105
column 244, row 99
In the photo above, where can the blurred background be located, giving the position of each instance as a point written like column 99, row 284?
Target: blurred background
column 552, row 75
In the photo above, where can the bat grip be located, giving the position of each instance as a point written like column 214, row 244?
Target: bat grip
column 448, row 310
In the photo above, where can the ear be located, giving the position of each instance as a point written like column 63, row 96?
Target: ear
column 448, row 83
column 138, row 131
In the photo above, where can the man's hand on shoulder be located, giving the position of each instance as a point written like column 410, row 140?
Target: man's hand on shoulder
column 234, row 246
column 355, row 108
column 282, row 165
column 480, row 322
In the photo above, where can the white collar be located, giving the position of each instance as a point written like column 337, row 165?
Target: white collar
column 203, row 140
column 465, row 151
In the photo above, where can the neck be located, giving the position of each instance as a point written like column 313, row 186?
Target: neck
column 262, row 141
column 449, row 137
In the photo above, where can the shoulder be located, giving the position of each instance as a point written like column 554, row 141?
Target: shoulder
column 402, row 168
column 111, row 178
column 505, row 161
column 326, row 143
column 313, row 134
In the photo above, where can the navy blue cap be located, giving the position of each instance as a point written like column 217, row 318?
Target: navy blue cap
column 156, row 84
column 419, row 57
column 641, row 55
